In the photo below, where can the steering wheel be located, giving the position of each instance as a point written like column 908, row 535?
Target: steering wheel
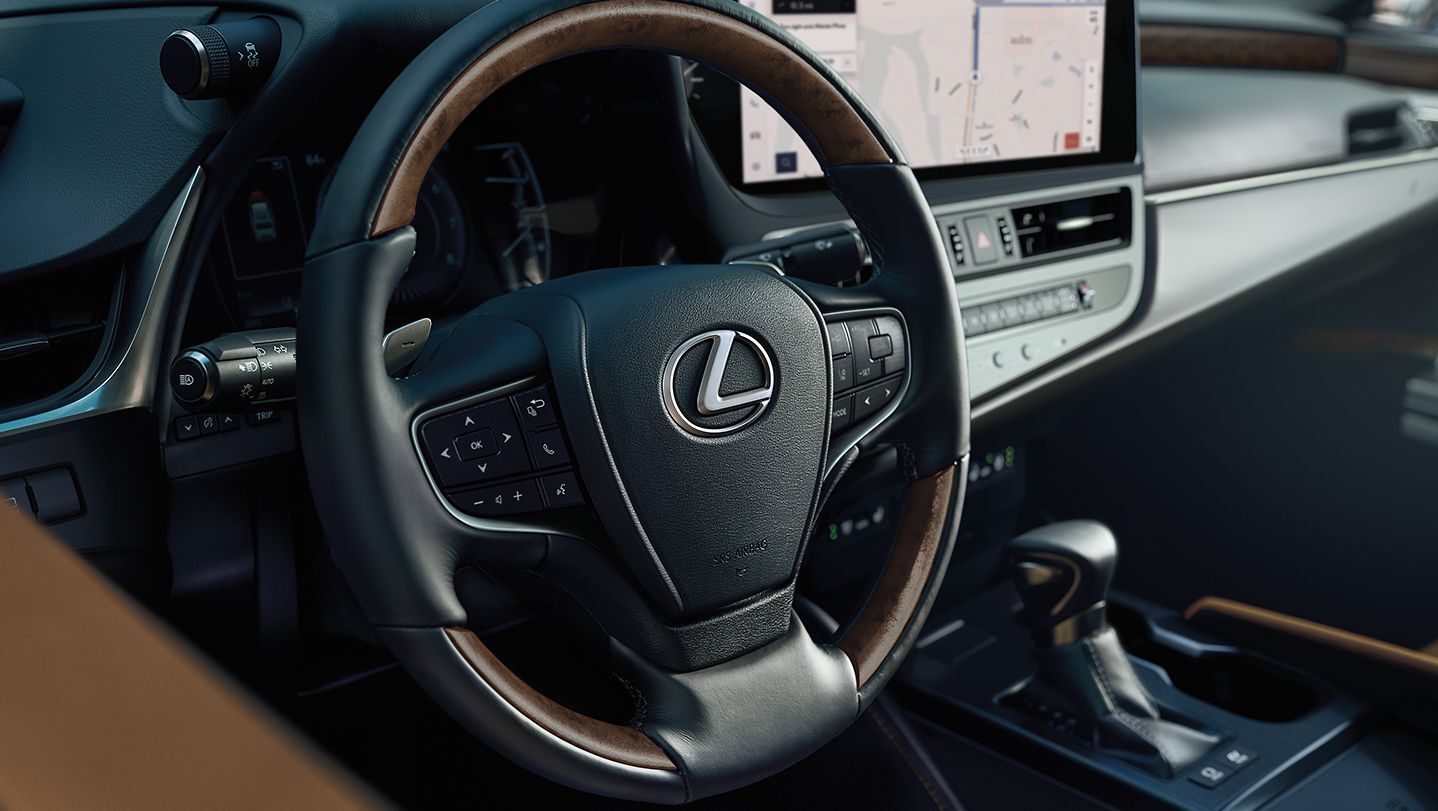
column 681, row 426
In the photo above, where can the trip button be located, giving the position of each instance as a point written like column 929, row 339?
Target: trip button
column 476, row 445
column 547, row 448
column 536, row 408
column 561, row 490
column 500, row 499
column 867, row 402
column 262, row 416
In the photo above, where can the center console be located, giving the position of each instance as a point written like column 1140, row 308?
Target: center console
column 1118, row 696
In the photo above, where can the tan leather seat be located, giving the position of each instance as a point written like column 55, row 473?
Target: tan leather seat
column 101, row 706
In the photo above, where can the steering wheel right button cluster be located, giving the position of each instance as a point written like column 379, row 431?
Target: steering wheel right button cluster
column 869, row 357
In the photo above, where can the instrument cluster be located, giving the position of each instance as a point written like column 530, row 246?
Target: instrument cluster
column 517, row 196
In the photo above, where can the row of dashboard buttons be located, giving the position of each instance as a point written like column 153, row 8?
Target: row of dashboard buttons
column 1222, row 767
column 864, row 350
column 1026, row 309
column 190, row 426
column 502, row 439
column 49, row 495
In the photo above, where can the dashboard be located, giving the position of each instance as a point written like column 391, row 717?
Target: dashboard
column 534, row 185
column 188, row 219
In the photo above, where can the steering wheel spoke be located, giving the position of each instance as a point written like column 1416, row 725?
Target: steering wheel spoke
column 749, row 717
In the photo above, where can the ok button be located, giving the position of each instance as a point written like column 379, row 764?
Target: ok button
column 476, row 445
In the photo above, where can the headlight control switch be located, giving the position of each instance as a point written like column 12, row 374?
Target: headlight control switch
column 235, row 371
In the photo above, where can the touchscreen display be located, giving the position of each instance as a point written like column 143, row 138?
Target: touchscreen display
column 954, row 81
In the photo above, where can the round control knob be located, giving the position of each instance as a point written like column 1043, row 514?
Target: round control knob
column 225, row 59
column 192, row 378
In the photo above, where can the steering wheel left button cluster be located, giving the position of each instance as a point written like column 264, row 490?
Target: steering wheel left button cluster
column 495, row 444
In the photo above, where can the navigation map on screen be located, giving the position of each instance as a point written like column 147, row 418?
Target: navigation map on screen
column 954, row 81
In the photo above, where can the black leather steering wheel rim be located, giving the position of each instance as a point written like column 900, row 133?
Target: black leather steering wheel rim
column 722, row 720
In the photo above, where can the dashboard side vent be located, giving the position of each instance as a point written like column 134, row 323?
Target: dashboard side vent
column 52, row 330
column 1387, row 129
column 1101, row 221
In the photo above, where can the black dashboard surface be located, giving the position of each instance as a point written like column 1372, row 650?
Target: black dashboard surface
column 100, row 146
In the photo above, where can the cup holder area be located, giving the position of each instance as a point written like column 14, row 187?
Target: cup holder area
column 1241, row 684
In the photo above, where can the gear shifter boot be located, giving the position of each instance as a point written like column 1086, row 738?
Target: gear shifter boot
column 1062, row 573
column 1095, row 680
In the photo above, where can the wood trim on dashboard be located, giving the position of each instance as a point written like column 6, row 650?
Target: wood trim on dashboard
column 1392, row 65
column 1345, row 641
column 612, row 741
column 890, row 608
column 840, row 133
column 1217, row 46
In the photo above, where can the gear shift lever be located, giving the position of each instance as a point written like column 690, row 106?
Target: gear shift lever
column 1062, row 573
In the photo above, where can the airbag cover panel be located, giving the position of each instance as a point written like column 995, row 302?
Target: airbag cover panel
column 704, row 521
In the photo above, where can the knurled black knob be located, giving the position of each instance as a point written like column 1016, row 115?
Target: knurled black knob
column 225, row 59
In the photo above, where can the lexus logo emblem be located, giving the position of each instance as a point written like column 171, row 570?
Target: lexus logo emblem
column 709, row 406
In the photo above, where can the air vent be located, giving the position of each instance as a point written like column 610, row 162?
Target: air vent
column 52, row 329
column 1101, row 221
column 1388, row 129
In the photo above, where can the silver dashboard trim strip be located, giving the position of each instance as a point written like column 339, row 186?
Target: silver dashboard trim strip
column 1293, row 176
column 130, row 381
